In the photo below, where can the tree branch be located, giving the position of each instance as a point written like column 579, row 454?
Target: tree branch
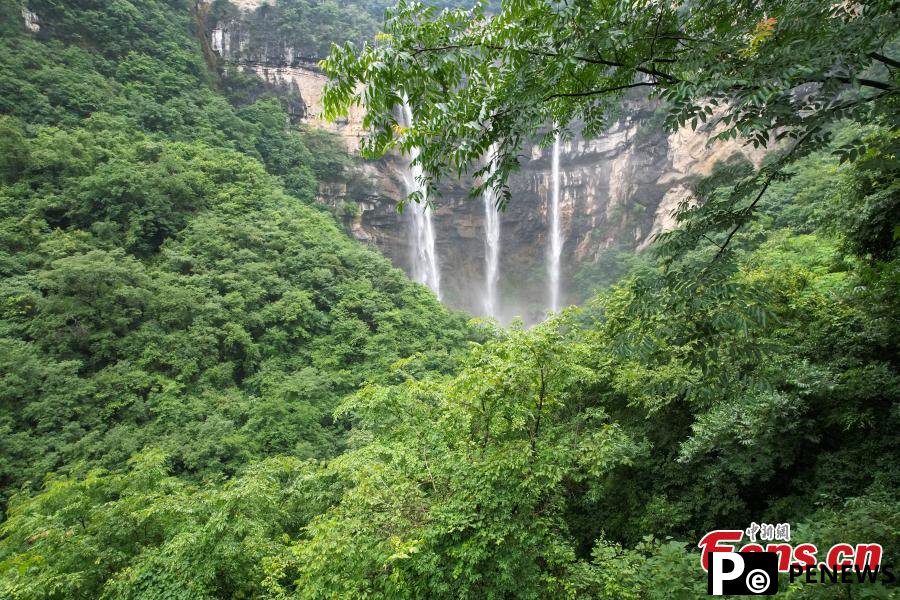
column 872, row 83
column 546, row 54
column 712, row 241
column 615, row 88
column 884, row 59
column 783, row 161
column 769, row 179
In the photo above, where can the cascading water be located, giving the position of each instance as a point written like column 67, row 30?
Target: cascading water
column 491, row 245
column 556, row 242
column 424, row 255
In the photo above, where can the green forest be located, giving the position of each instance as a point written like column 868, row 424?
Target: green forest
column 209, row 389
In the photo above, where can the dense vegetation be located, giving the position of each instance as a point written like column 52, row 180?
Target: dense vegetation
column 237, row 401
column 166, row 281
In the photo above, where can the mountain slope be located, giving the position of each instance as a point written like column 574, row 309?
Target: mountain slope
column 159, row 286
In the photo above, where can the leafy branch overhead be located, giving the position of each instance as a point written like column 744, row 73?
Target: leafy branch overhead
column 761, row 71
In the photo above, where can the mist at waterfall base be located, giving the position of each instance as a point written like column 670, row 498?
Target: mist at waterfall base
column 491, row 295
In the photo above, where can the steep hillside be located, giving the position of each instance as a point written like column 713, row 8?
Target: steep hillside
column 160, row 287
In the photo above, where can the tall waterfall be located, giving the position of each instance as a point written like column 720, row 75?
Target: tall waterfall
column 491, row 244
column 556, row 241
column 424, row 255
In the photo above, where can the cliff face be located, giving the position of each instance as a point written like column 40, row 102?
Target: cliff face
column 616, row 191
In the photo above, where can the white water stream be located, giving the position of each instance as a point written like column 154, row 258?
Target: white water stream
column 556, row 241
column 491, row 246
column 424, row 255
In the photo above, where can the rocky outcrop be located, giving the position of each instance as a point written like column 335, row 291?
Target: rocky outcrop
column 309, row 84
column 31, row 20
column 617, row 190
column 244, row 37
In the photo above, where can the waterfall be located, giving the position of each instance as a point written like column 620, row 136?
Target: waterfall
column 491, row 244
column 218, row 42
column 424, row 255
column 556, row 241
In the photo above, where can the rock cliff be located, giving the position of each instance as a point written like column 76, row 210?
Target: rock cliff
column 616, row 191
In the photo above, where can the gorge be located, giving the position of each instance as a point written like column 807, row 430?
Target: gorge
column 238, row 357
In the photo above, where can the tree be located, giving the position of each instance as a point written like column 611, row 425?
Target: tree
column 457, row 487
column 763, row 70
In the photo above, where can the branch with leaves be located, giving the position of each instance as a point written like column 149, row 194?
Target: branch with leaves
column 534, row 69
